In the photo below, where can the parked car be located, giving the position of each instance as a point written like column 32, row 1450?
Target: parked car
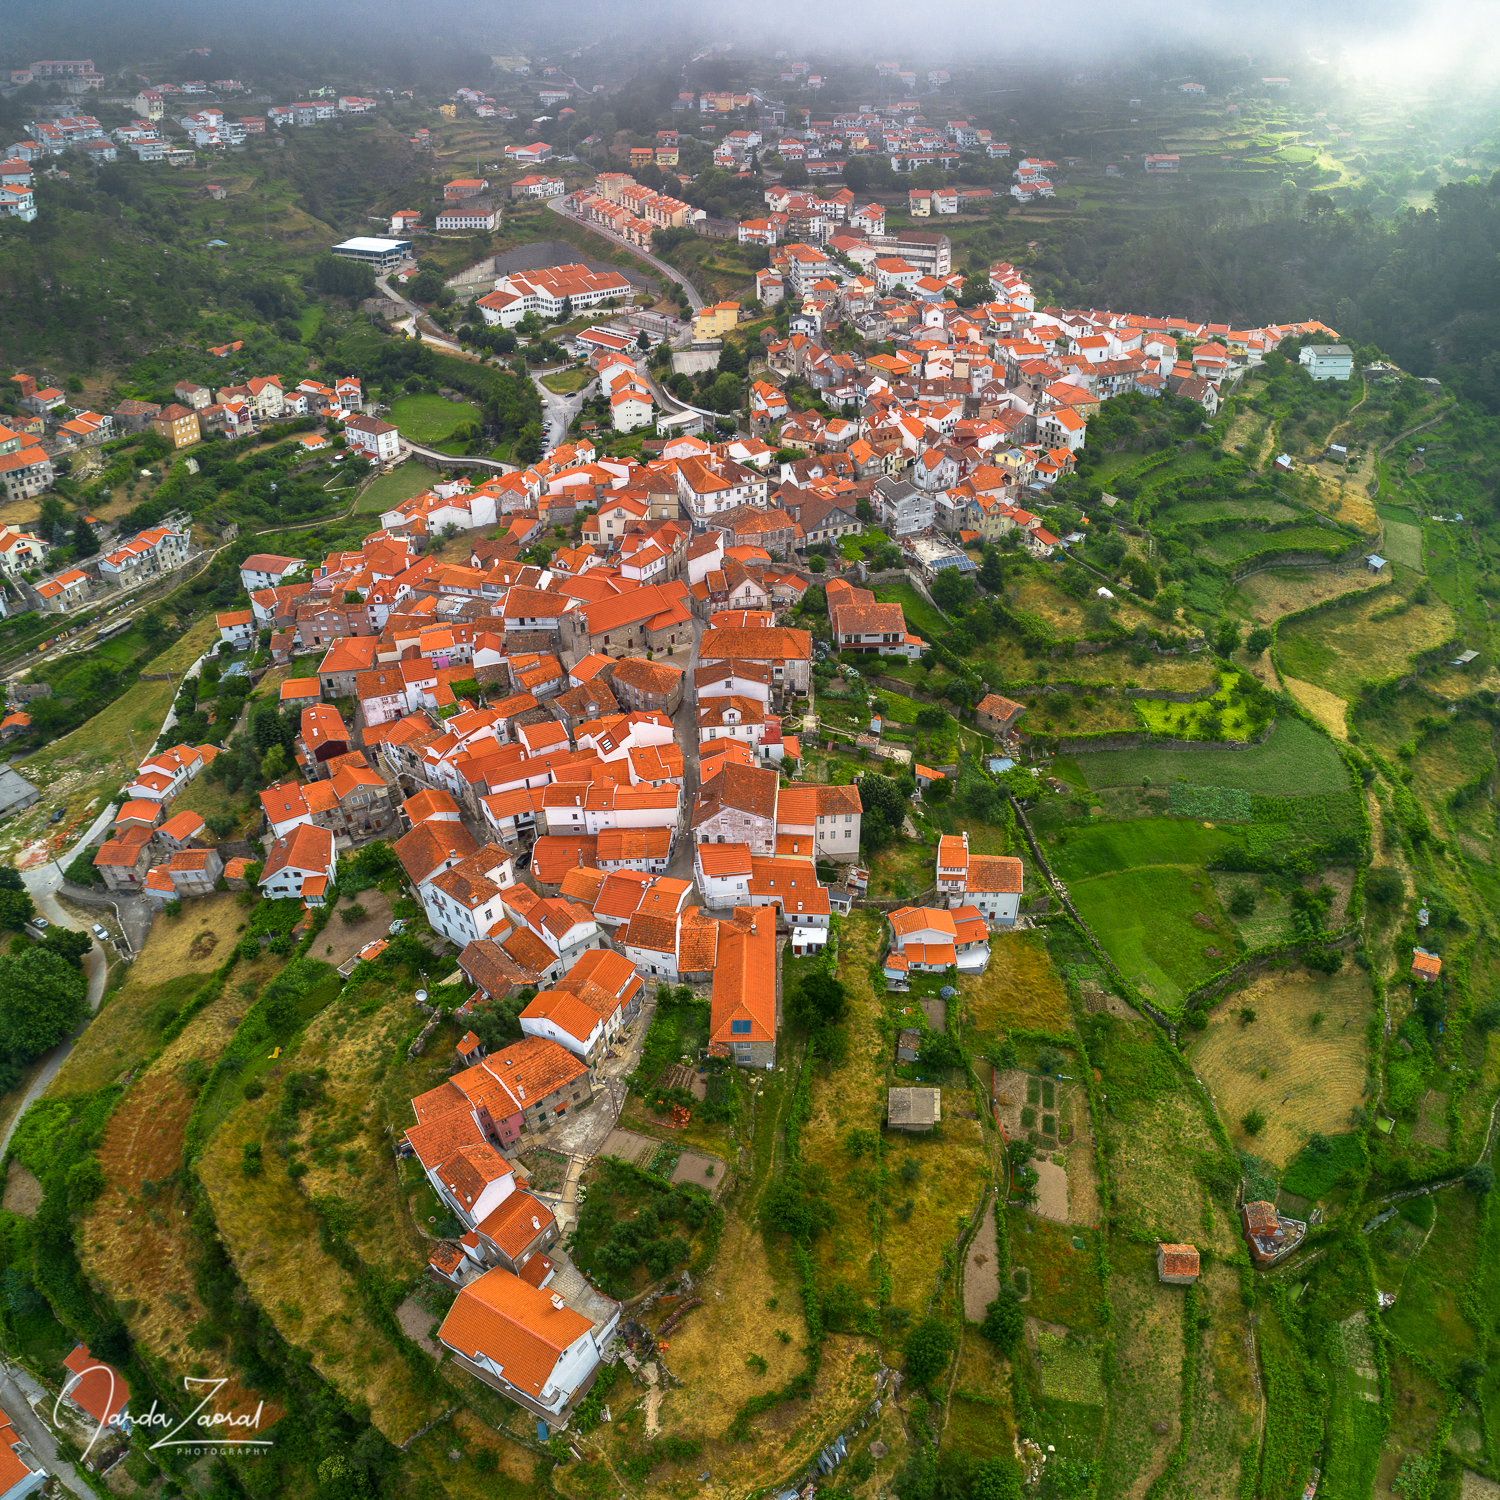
column 102, row 933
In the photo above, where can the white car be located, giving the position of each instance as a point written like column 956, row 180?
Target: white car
column 102, row 933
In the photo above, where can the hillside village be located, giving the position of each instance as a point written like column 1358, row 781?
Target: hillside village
column 673, row 828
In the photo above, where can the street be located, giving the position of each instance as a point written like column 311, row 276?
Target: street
column 659, row 266
column 558, row 412
column 21, row 1388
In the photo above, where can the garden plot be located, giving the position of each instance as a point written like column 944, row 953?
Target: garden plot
column 1069, row 1363
column 1055, row 1269
column 1302, row 1078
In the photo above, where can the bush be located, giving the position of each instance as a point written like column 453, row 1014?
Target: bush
column 1253, row 1122
column 928, row 1348
column 353, row 914
column 1004, row 1321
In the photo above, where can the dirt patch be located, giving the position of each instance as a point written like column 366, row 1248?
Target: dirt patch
column 417, row 1323
column 1477, row 1487
column 1205, row 922
column 1302, row 1078
column 345, row 941
column 629, row 1147
column 936, row 1012
column 701, row 1171
column 981, row 1270
column 1327, row 708
column 681, row 1076
column 1052, row 1191
column 203, row 945
column 23, row 1193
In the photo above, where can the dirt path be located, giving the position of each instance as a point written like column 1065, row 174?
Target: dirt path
column 982, row 1270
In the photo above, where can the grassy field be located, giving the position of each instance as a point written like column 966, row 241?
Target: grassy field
column 430, row 419
column 171, row 966
column 1302, row 1078
column 137, row 1242
column 1083, row 852
column 565, row 382
column 921, row 617
column 1403, row 544
column 82, row 768
column 1144, row 1419
column 411, row 478
column 1224, row 1406
column 1295, row 760
column 1344, row 648
column 1163, row 928
column 1268, row 596
column 1020, row 988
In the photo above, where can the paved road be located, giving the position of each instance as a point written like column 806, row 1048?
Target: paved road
column 414, row 316
column 21, row 1388
column 558, row 412
column 685, row 732
column 659, row 266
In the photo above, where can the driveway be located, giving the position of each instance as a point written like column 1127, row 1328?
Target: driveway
column 659, row 266
column 21, row 1388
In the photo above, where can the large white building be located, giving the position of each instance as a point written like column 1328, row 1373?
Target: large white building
column 546, row 291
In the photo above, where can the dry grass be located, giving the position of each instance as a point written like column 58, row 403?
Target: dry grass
column 1224, row 1404
column 1155, row 1177
column 1281, row 591
column 136, row 1243
column 1037, row 596
column 1312, row 1078
column 124, row 1031
column 1344, row 648
column 1327, row 708
column 1019, row 989
column 346, row 940
column 953, row 1164
column 272, row 1235
column 349, row 1154
column 1145, row 1391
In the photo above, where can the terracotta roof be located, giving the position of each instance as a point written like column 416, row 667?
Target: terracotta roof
column 1001, row 873
column 750, row 789
column 554, row 855
column 1426, row 963
column 647, row 676
column 471, row 1169
column 306, row 847
column 514, row 1325
column 1178, row 1260
column 744, row 985
column 428, row 845
column 99, row 1389
column 648, row 930
column 565, row 1011
column 517, row 1222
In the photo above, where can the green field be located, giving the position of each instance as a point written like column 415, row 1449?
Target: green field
column 565, row 382
column 430, row 419
column 921, row 617
column 1144, row 917
column 391, row 489
column 1231, row 546
column 1403, row 544
column 1082, row 853
column 1295, row 761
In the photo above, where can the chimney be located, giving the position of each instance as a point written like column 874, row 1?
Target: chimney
column 557, row 1302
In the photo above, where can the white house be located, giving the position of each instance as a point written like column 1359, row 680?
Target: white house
column 264, row 570
column 463, row 901
column 1327, row 361
column 372, row 437
column 301, row 864
column 989, row 883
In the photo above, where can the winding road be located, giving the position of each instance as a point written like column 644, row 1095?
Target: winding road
column 659, row 266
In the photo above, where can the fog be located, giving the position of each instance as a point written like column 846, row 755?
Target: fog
column 1443, row 42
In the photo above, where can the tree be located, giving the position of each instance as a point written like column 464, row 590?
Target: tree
column 85, row 543
column 1258, row 640
column 992, row 570
column 952, row 591
column 880, row 794
column 1253, row 1122
column 939, row 791
column 928, row 1348
column 1242, row 902
column 16, row 909
column 1004, row 1321
column 67, row 943
column 864, row 511
column 1142, row 577
column 1227, row 638
column 42, row 998
column 996, row 1479
column 820, row 1000
column 1480, row 1178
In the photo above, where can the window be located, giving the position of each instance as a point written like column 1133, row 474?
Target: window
column 739, row 1028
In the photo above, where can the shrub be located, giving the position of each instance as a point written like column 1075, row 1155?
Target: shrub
column 353, row 914
column 928, row 1348
column 1253, row 1122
